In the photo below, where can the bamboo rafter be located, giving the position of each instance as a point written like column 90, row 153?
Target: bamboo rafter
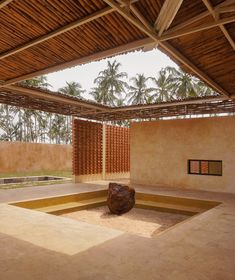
column 135, row 32
column 166, row 15
column 225, row 106
column 44, row 100
column 168, row 48
column 138, row 44
column 185, row 31
column 58, row 31
column 221, row 26
column 4, row 3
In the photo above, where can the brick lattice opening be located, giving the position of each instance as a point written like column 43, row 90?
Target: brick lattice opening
column 89, row 153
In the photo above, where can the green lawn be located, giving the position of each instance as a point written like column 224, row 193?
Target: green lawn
column 67, row 174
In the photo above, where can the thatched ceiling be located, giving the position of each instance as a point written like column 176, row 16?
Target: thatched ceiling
column 48, row 101
column 39, row 37
column 54, row 102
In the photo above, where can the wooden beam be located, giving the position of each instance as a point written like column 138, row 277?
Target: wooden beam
column 56, row 32
column 209, row 6
column 220, row 9
column 42, row 95
column 185, row 61
column 128, row 47
column 3, row 3
column 171, row 104
column 170, row 50
column 143, row 20
column 225, row 3
column 97, row 56
column 150, row 32
column 183, row 25
column 222, row 28
column 59, row 31
column 188, row 22
column 167, row 15
column 158, row 105
column 228, row 9
column 228, row 36
column 174, row 34
column 130, row 7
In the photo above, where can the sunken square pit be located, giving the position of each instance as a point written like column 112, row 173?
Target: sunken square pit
column 152, row 214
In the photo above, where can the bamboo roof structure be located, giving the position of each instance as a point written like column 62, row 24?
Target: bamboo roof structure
column 54, row 102
column 40, row 37
column 48, row 101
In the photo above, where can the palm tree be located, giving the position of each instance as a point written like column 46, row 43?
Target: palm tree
column 139, row 92
column 57, row 129
column 29, row 119
column 184, row 85
column 42, row 120
column 28, row 125
column 98, row 96
column 110, row 84
column 121, row 102
column 73, row 89
column 37, row 82
column 8, row 123
column 17, row 124
column 162, row 86
column 204, row 90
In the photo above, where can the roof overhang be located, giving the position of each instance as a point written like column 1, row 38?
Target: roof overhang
column 54, row 102
column 199, row 35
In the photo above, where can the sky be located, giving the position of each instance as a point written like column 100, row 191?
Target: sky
column 147, row 63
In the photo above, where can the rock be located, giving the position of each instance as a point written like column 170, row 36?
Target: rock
column 121, row 198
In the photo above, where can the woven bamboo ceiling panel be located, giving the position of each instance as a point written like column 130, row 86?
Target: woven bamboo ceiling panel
column 169, row 109
column 39, row 37
column 48, row 101
column 44, row 100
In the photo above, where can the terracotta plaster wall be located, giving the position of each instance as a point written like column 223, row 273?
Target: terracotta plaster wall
column 26, row 157
column 160, row 151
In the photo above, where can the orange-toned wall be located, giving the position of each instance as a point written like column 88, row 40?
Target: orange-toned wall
column 160, row 151
column 100, row 151
column 26, row 157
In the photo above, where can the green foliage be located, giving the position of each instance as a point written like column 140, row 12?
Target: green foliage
column 163, row 87
column 72, row 89
column 112, row 88
column 139, row 92
column 37, row 82
column 110, row 84
column 18, row 124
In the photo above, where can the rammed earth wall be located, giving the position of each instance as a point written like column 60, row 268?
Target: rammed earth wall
column 160, row 151
column 26, row 157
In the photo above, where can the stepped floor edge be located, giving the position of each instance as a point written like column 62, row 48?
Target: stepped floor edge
column 36, row 245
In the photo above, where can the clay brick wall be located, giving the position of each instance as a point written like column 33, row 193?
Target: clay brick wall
column 117, row 149
column 88, row 151
column 87, row 147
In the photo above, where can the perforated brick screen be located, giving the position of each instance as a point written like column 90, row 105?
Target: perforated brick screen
column 117, row 149
column 87, row 147
column 88, row 150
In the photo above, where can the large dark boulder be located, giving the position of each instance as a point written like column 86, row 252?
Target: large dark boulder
column 121, row 198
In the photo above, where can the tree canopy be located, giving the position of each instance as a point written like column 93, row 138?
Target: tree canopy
column 112, row 87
